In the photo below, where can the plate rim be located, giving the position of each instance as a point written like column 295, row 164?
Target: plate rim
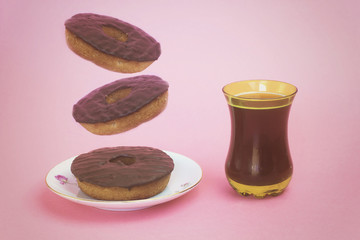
column 124, row 203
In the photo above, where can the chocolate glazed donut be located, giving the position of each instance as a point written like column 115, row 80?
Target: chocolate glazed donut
column 122, row 105
column 122, row 173
column 111, row 43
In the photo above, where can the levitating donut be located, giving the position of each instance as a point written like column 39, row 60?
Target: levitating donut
column 111, row 43
column 122, row 105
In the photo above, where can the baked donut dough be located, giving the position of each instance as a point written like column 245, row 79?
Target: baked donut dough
column 111, row 43
column 122, row 105
column 122, row 173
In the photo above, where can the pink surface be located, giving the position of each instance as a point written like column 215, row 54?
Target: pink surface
column 205, row 44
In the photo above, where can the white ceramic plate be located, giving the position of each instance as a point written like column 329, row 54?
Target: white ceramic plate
column 185, row 176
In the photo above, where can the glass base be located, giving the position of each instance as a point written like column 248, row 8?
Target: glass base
column 259, row 191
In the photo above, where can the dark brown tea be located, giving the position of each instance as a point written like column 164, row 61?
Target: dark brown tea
column 259, row 153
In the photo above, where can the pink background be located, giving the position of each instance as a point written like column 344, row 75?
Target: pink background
column 314, row 45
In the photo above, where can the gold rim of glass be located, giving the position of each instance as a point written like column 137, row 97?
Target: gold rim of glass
column 259, row 94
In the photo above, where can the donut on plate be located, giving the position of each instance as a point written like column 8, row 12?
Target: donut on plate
column 111, row 43
column 122, row 105
column 122, row 173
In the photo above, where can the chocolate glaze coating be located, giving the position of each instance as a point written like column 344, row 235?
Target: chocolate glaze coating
column 93, row 108
column 139, row 46
column 103, row 167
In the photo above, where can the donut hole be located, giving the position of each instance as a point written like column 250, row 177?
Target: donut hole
column 123, row 159
column 115, row 33
column 118, row 95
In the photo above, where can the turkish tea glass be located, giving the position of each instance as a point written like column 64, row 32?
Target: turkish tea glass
column 259, row 161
